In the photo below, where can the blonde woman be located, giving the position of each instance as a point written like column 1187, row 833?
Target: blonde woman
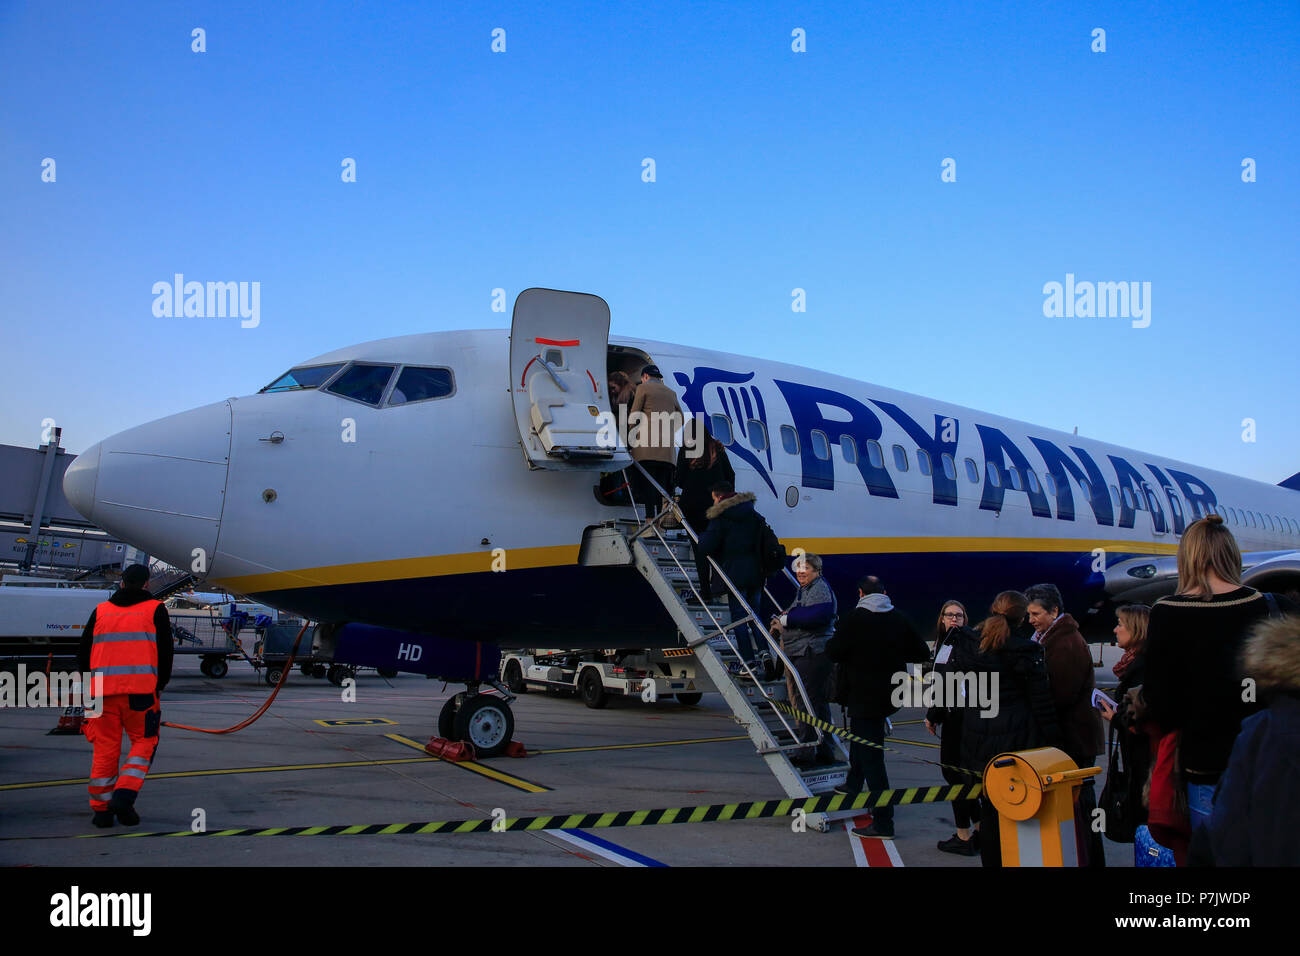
column 1193, row 685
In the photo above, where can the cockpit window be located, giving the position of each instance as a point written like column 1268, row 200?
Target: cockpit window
column 363, row 383
column 306, row 377
column 417, row 383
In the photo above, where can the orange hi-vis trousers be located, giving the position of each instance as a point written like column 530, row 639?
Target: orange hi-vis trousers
column 105, row 733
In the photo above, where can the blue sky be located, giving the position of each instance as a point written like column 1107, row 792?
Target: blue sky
column 775, row 170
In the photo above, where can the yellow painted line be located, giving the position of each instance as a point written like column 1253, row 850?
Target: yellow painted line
column 354, row 722
column 82, row 781
column 473, row 562
column 227, row 770
column 914, row 743
column 656, row 743
column 519, row 783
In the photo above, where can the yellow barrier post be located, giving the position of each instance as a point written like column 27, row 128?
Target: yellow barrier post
column 1033, row 792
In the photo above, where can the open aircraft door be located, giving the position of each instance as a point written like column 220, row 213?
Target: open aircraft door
column 558, row 344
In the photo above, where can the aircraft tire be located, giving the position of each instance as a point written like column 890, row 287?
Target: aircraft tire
column 515, row 678
column 487, row 722
column 447, row 717
column 592, row 689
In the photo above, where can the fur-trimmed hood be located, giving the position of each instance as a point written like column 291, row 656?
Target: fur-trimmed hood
column 1271, row 654
column 731, row 502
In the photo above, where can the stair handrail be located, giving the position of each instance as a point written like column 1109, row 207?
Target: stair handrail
column 790, row 670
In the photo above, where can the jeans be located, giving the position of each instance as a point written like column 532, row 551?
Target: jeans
column 867, row 764
column 748, row 642
column 1200, row 803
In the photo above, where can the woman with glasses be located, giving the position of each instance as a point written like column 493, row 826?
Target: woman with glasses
column 953, row 623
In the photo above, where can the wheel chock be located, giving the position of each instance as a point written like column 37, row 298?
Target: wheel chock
column 455, row 751
column 515, row 749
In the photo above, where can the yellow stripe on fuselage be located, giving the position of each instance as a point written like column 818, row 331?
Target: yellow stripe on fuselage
column 567, row 555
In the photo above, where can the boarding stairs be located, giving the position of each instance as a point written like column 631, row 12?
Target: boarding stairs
column 665, row 558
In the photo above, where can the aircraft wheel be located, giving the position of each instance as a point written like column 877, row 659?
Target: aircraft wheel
column 515, row 678
column 217, row 667
column 592, row 689
column 487, row 723
column 447, row 717
column 690, row 700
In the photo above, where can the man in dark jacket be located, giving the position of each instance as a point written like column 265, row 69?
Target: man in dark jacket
column 732, row 539
column 873, row 645
column 1256, row 818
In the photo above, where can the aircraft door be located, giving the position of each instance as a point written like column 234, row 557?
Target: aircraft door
column 558, row 343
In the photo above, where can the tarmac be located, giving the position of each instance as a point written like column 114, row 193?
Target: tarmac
column 295, row 768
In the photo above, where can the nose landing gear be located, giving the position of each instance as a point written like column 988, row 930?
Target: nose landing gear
column 484, row 720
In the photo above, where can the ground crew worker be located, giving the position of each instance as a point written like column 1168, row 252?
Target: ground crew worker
column 127, row 644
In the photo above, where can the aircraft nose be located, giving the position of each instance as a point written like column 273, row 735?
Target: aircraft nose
column 159, row 486
column 79, row 482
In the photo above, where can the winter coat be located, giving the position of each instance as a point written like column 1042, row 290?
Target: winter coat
column 873, row 644
column 1026, row 714
column 127, row 597
column 732, row 539
column 653, row 398
column 1193, row 680
column 696, row 485
column 1070, row 671
column 1256, row 817
column 947, row 720
column 810, row 621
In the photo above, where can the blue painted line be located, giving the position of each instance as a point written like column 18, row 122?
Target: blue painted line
column 622, row 851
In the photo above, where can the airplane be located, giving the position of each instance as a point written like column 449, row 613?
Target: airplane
column 426, row 497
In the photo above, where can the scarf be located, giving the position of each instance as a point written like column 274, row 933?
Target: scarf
column 1124, row 662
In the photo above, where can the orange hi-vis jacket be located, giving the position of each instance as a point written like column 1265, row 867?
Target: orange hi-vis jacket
column 124, row 652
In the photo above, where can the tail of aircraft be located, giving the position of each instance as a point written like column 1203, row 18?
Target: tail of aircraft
column 1293, row 482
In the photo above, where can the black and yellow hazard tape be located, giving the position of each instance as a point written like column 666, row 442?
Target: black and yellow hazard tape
column 711, row 813
column 840, row 732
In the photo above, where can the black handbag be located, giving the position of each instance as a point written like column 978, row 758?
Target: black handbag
column 1120, row 801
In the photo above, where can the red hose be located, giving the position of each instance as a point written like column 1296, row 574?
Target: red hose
column 288, row 665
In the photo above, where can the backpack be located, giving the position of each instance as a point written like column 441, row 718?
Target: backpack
column 771, row 552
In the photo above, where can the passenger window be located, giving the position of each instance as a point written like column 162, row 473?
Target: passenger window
column 900, row 458
column 949, row 469
column 1151, row 501
column 1087, row 489
column 720, row 425
column 1173, row 503
column 1049, row 482
column 363, row 383
column 991, row 472
column 1128, row 498
column 1033, row 482
column 306, row 377
column 923, row 462
column 417, row 383
column 874, row 454
column 972, row 471
column 821, row 446
column 789, row 440
column 1014, row 474
column 757, row 435
column 1114, row 496
column 1251, row 516
column 849, row 449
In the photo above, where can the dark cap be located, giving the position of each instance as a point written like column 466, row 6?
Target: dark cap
column 135, row 576
column 652, row 371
